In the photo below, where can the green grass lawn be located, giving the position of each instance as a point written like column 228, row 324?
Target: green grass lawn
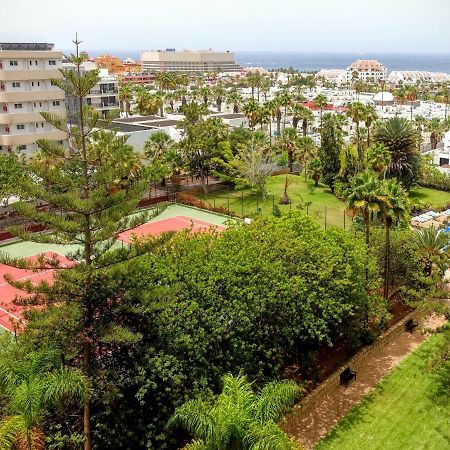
column 245, row 203
column 401, row 413
column 433, row 197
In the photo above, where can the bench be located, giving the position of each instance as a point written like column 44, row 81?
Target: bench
column 410, row 325
column 347, row 375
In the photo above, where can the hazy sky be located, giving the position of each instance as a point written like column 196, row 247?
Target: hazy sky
column 303, row 25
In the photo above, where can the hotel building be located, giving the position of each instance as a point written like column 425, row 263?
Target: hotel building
column 104, row 96
column 26, row 90
column 188, row 61
column 368, row 70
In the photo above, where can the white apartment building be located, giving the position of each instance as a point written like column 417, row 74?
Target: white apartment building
column 188, row 61
column 103, row 97
column 366, row 70
column 412, row 77
column 26, row 90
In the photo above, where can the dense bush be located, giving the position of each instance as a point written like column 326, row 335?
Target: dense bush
column 251, row 299
column 190, row 200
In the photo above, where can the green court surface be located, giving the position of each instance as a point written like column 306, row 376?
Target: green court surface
column 23, row 249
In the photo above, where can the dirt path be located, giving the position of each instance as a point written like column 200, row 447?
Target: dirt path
column 324, row 416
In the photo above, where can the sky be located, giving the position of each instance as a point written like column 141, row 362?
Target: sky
column 235, row 25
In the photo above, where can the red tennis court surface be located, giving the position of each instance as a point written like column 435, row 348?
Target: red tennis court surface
column 11, row 314
column 176, row 223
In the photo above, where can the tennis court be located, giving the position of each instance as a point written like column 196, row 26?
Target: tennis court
column 177, row 223
column 11, row 314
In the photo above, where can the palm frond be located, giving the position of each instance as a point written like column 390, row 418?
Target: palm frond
column 269, row 437
column 274, row 399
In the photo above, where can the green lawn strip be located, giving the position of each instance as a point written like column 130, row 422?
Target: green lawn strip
column 246, row 202
column 433, row 197
column 401, row 413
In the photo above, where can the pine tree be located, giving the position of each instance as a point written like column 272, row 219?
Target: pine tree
column 92, row 187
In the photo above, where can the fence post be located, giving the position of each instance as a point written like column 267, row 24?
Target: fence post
column 273, row 203
column 344, row 219
column 214, row 198
column 228, row 201
column 242, row 202
column 325, row 217
column 257, row 208
column 307, row 210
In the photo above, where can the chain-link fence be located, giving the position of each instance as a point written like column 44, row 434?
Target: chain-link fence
column 244, row 203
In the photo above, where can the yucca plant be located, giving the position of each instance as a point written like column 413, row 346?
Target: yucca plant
column 240, row 418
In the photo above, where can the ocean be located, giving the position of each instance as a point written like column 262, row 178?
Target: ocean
column 313, row 61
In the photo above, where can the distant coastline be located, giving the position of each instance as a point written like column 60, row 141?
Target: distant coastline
column 313, row 61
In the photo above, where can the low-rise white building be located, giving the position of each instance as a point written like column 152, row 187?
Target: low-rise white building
column 338, row 76
column 412, row 77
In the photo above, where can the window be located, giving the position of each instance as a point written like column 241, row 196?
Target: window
column 52, row 62
column 21, row 127
column 21, row 147
column 18, row 105
column 13, row 63
column 31, row 62
column 32, row 84
column 42, row 124
column 35, row 63
column 39, row 83
column 37, row 125
column 15, row 84
column 56, row 103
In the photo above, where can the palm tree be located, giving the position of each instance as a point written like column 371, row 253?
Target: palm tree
column 288, row 142
column 402, row 139
column 411, row 96
column 125, row 97
column 395, row 206
column 236, row 99
column 157, row 145
column 379, row 158
column 205, row 92
column 285, row 100
column 365, row 198
column 432, row 245
column 306, row 150
column 301, row 113
column 357, row 111
column 370, row 116
column 251, row 110
column 315, row 169
column 437, row 128
column 219, row 92
column 321, row 101
column 239, row 419
column 32, row 386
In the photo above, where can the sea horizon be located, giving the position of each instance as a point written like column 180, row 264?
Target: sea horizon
column 309, row 61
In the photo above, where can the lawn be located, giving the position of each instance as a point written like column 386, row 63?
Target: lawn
column 432, row 197
column 401, row 413
column 246, row 203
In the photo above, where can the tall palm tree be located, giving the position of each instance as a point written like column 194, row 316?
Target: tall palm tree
column 395, row 206
column 321, row 101
column 365, row 198
column 370, row 116
column 125, row 97
column 402, row 139
column 239, row 419
column 285, row 100
column 303, row 114
column 288, row 142
column 32, row 386
column 437, row 128
column 205, row 92
column 357, row 112
column 236, row 99
column 306, row 151
column 315, row 170
column 219, row 93
column 251, row 109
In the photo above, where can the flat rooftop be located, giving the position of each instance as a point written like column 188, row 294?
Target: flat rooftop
column 230, row 116
column 161, row 123
column 138, row 119
column 128, row 128
column 26, row 46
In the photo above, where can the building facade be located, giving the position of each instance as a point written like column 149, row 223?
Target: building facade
column 104, row 96
column 26, row 90
column 367, row 70
column 188, row 61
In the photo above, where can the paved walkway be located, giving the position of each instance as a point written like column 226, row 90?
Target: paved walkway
column 314, row 425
